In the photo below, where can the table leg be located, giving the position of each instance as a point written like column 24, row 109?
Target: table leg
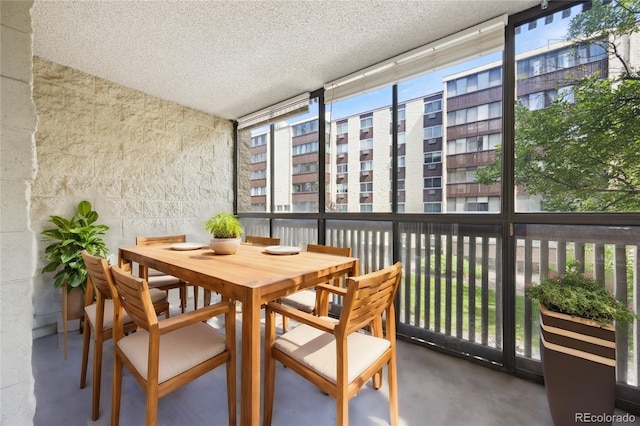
column 250, row 367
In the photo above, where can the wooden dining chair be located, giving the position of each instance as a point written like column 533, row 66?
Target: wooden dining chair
column 165, row 355
column 249, row 239
column 339, row 357
column 99, row 320
column 162, row 281
column 305, row 300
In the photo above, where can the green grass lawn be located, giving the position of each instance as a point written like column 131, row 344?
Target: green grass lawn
column 465, row 305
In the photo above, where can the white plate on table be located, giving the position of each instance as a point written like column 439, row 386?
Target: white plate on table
column 282, row 249
column 186, row 246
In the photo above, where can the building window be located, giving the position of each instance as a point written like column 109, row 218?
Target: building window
column 482, row 80
column 432, row 207
column 566, row 93
column 495, row 77
column 342, row 168
column 477, row 204
column 536, row 101
column 366, row 187
column 342, row 188
column 494, row 139
column 433, row 132
column 342, row 148
column 258, row 174
column 305, row 187
column 401, row 113
column 258, row 140
column 305, row 148
column 303, row 168
column 461, row 86
column 474, row 144
column 342, row 128
column 308, row 206
column 366, row 144
column 365, row 208
column 432, row 182
column 476, row 113
column 258, row 190
column 431, row 107
column 366, row 165
column 366, row 123
column 259, row 158
column 305, row 128
column 433, row 157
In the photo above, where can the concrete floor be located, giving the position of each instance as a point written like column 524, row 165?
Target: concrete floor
column 434, row 389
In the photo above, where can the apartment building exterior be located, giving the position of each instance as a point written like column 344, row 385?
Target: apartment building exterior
column 474, row 116
column 443, row 139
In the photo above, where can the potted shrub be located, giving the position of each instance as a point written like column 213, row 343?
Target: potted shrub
column 225, row 228
column 577, row 344
column 68, row 238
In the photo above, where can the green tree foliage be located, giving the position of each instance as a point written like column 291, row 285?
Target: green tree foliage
column 583, row 154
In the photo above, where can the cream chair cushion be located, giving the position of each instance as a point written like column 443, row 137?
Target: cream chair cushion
column 304, row 300
column 157, row 295
column 161, row 280
column 154, row 272
column 317, row 350
column 107, row 322
column 180, row 350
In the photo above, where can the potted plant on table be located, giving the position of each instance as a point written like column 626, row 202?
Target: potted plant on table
column 225, row 229
column 68, row 239
column 577, row 344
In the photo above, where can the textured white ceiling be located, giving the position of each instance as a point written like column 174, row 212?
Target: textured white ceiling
column 230, row 58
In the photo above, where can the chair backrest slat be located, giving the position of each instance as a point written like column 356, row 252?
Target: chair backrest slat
column 98, row 271
column 262, row 241
column 368, row 296
column 338, row 251
column 166, row 239
column 133, row 293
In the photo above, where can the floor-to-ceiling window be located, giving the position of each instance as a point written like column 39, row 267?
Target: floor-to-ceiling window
column 359, row 141
column 575, row 163
column 480, row 170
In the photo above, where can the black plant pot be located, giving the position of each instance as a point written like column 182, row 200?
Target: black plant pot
column 578, row 362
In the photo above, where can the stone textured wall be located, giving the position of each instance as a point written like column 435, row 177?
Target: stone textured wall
column 148, row 166
column 244, row 173
column 17, row 241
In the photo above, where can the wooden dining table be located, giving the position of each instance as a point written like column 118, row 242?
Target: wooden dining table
column 251, row 276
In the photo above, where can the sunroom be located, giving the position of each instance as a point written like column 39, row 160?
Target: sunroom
column 438, row 134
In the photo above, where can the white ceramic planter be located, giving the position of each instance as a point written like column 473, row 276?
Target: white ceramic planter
column 225, row 245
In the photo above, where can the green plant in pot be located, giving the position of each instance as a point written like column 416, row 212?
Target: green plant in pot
column 67, row 240
column 225, row 228
column 577, row 344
